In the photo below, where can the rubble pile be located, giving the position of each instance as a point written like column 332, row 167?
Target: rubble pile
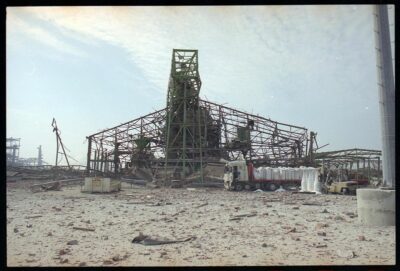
column 44, row 178
column 43, row 173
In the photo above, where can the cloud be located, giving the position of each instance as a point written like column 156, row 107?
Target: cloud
column 247, row 54
column 15, row 24
column 258, row 40
column 129, row 31
column 148, row 34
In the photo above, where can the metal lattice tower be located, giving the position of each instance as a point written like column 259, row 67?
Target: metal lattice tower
column 183, row 149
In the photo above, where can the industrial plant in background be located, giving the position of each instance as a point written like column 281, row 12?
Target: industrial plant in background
column 190, row 135
column 13, row 146
column 36, row 169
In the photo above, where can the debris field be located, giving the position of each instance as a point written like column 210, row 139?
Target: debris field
column 142, row 226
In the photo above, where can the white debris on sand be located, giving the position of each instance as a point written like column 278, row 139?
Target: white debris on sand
column 280, row 189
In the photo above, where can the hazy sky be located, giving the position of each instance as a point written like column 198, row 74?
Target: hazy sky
column 96, row 67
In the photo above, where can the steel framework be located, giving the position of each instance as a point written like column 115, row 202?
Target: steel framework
column 366, row 162
column 142, row 140
column 345, row 158
column 184, row 138
column 12, row 150
column 191, row 132
column 358, row 160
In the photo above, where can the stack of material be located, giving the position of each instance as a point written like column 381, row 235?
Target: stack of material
column 280, row 173
column 310, row 180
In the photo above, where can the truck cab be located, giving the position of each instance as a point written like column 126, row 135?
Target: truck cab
column 235, row 174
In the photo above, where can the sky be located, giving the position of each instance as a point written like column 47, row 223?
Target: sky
column 93, row 68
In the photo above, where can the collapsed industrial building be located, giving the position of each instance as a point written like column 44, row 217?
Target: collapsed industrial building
column 193, row 140
column 191, row 134
column 120, row 209
column 202, row 146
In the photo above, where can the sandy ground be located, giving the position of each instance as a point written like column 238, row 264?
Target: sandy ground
column 279, row 228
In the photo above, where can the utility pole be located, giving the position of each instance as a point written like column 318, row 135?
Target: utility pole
column 59, row 143
column 386, row 94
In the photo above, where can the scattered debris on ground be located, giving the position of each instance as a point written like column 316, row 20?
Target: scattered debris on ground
column 149, row 241
column 180, row 227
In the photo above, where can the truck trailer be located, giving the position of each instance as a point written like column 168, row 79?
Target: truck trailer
column 239, row 175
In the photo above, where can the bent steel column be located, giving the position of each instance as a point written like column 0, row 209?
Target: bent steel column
column 88, row 154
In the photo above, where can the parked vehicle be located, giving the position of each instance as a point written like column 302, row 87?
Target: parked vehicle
column 239, row 175
column 347, row 187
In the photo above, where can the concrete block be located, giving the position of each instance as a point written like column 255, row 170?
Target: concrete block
column 101, row 185
column 376, row 207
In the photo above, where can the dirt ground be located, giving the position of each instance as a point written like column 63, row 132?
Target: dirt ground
column 228, row 228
